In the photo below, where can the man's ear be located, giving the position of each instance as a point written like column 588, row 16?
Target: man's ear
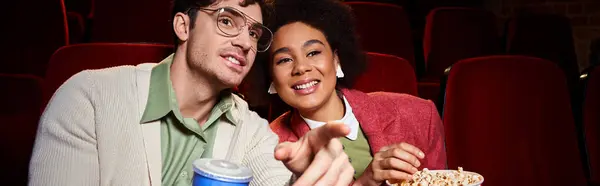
column 181, row 26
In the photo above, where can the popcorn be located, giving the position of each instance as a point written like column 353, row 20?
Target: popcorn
column 442, row 178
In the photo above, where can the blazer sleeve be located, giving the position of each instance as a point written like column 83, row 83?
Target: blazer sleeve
column 260, row 158
column 65, row 150
column 279, row 127
column 436, row 151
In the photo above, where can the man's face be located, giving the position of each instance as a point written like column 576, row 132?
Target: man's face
column 224, row 59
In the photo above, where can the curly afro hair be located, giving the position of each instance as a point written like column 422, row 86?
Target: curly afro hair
column 334, row 19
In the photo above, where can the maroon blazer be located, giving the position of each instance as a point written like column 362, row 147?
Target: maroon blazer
column 385, row 119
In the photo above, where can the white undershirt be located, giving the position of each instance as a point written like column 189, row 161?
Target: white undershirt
column 349, row 120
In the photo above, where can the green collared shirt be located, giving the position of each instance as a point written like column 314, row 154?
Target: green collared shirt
column 183, row 140
column 359, row 153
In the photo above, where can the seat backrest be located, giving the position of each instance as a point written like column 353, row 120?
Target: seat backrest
column 32, row 31
column 452, row 34
column 547, row 36
column 19, row 113
column 387, row 73
column 591, row 121
column 146, row 21
column 83, row 7
column 69, row 60
column 506, row 117
column 384, row 28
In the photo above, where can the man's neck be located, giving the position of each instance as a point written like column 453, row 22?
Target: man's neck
column 196, row 94
column 331, row 110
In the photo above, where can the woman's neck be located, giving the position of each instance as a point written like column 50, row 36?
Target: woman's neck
column 332, row 109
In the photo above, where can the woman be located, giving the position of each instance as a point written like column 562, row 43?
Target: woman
column 312, row 63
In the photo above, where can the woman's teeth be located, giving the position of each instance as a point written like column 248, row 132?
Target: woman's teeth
column 306, row 85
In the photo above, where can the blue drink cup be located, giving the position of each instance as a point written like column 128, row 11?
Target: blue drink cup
column 213, row 172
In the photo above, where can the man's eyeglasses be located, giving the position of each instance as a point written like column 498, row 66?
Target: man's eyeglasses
column 231, row 21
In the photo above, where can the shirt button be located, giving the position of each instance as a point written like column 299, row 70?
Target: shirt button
column 183, row 174
column 343, row 147
column 350, row 159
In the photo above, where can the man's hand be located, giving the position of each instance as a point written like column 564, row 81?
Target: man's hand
column 318, row 158
column 393, row 163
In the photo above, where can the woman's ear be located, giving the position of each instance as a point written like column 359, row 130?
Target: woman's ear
column 338, row 67
column 181, row 26
column 336, row 59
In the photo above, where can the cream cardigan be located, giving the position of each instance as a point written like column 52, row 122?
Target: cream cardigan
column 90, row 134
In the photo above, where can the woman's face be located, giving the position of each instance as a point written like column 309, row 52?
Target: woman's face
column 303, row 66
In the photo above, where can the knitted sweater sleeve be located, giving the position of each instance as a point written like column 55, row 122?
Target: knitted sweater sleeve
column 65, row 150
column 261, row 159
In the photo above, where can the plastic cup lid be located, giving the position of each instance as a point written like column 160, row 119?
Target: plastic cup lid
column 222, row 170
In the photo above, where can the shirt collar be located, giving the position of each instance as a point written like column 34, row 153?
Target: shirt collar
column 162, row 99
column 159, row 99
column 349, row 120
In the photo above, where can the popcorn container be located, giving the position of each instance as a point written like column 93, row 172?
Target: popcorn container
column 214, row 172
column 443, row 177
column 477, row 183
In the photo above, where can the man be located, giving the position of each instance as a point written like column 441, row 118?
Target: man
column 145, row 125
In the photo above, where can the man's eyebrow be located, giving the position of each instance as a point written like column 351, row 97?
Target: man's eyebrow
column 256, row 24
column 252, row 20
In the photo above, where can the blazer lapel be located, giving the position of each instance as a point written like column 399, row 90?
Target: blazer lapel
column 370, row 122
column 150, row 131
column 298, row 125
column 223, row 138
column 364, row 110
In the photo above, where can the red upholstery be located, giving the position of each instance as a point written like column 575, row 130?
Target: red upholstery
column 72, row 59
column 132, row 21
column 430, row 91
column 76, row 24
column 544, row 36
column 82, row 7
column 384, row 28
column 452, row 34
column 387, row 73
column 19, row 112
column 509, row 118
column 591, row 121
column 32, row 31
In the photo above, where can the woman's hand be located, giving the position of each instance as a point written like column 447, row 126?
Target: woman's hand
column 393, row 163
column 318, row 157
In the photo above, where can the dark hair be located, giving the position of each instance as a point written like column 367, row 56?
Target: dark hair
column 334, row 19
column 185, row 5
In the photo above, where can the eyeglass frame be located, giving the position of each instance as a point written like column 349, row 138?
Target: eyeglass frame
column 244, row 16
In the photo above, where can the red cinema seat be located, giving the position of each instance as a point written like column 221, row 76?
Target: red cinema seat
column 19, row 112
column 453, row 34
column 138, row 21
column 387, row 73
column 546, row 36
column 32, row 31
column 69, row 60
column 509, row 118
column 384, row 28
